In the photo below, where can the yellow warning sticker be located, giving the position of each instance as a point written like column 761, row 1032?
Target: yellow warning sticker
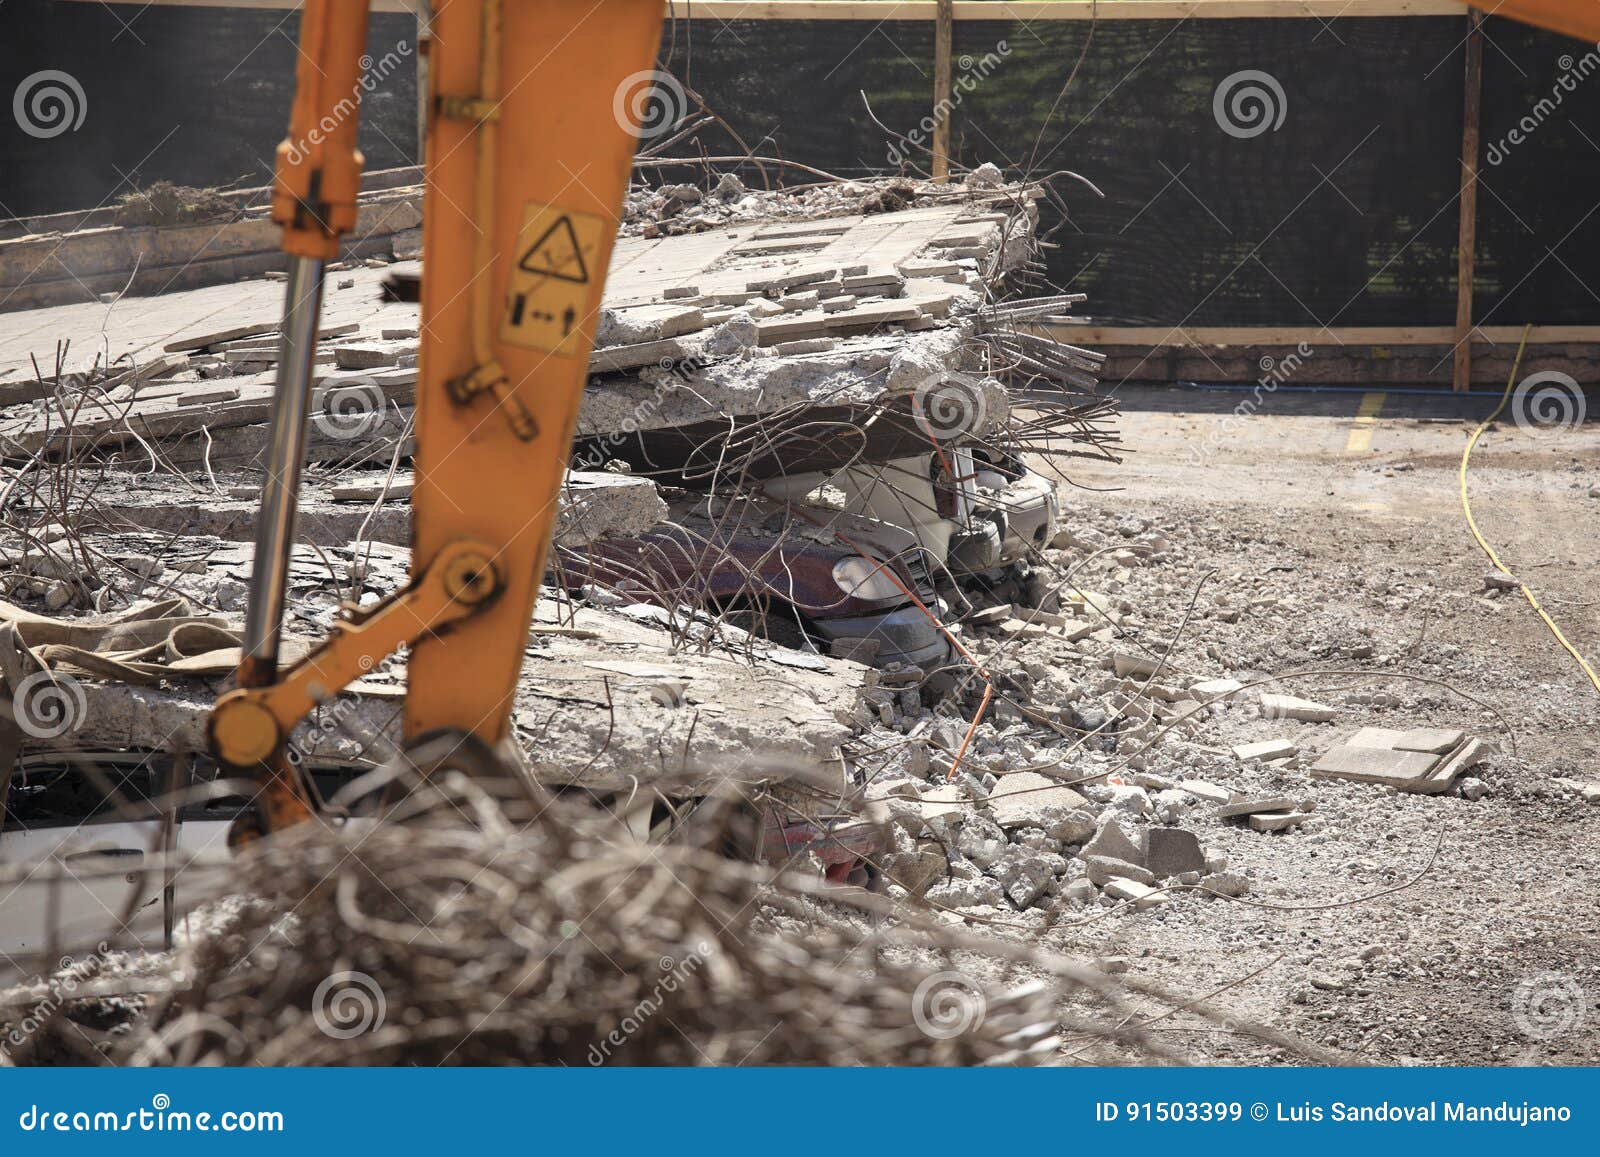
column 555, row 279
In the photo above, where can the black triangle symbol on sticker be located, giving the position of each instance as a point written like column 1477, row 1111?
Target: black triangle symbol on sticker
column 555, row 254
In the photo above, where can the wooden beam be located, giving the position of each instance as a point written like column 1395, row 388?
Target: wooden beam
column 1162, row 336
column 1467, row 240
column 943, row 35
column 1030, row 10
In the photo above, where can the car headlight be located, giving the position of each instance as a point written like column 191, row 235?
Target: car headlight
column 864, row 579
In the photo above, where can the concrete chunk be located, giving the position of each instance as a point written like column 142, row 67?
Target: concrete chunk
column 1210, row 689
column 1113, row 840
column 947, row 802
column 1386, row 737
column 1142, row 895
column 1255, row 806
column 1018, row 798
column 1290, row 707
column 1127, row 664
column 1102, row 870
column 1278, row 823
column 631, row 357
column 1209, row 792
column 790, row 280
column 1437, row 740
column 363, row 357
column 1172, row 851
column 1265, row 750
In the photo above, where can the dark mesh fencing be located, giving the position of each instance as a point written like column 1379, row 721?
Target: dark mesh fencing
column 1344, row 214
column 199, row 96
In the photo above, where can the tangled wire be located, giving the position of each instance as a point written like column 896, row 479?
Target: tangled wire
column 486, row 922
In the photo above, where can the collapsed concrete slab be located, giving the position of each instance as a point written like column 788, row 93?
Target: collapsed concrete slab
column 592, row 710
column 368, row 505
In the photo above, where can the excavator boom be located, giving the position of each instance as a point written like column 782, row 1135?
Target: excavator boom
column 529, row 150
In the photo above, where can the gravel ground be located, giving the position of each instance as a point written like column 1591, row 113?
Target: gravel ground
column 1394, row 928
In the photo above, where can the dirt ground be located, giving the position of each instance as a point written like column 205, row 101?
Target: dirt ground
column 1395, row 929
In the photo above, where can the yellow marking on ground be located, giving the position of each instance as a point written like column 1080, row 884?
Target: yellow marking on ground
column 1366, row 419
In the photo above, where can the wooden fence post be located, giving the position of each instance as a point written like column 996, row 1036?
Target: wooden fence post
column 1461, row 379
column 943, row 35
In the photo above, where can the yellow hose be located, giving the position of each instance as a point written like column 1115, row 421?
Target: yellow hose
column 1472, row 524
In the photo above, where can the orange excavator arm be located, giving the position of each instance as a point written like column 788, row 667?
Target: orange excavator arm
column 528, row 159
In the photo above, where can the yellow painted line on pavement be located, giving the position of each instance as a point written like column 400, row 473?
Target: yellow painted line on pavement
column 1366, row 419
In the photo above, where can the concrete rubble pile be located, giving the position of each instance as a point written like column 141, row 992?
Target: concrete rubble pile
column 807, row 449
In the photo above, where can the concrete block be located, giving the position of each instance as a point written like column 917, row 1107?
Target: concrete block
column 1375, row 765
column 1278, row 823
column 362, row 357
column 791, row 280
column 630, row 357
column 371, row 492
column 1438, row 740
column 809, row 345
column 1385, row 737
column 207, row 397
column 1209, row 792
column 1172, row 851
column 1256, row 806
column 1074, row 629
column 1265, row 750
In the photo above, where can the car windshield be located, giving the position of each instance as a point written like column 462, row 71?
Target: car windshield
column 81, row 790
